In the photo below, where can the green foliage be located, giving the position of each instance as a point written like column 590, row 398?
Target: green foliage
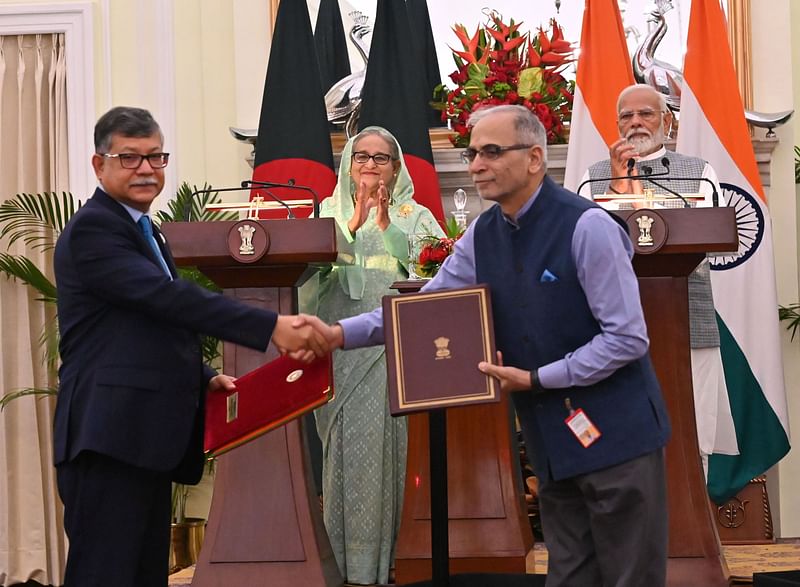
column 38, row 219
column 790, row 314
column 189, row 204
column 796, row 164
column 452, row 229
column 186, row 206
column 23, row 269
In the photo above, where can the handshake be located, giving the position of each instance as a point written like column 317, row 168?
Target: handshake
column 304, row 337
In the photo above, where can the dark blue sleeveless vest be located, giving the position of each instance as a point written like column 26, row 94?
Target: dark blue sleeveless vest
column 537, row 322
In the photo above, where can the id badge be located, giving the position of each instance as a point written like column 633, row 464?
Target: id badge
column 582, row 427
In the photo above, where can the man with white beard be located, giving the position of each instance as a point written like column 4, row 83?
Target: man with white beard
column 644, row 121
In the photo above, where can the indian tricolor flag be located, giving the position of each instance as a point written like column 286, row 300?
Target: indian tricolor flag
column 604, row 70
column 712, row 126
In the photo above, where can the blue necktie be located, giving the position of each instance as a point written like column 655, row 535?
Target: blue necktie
column 147, row 230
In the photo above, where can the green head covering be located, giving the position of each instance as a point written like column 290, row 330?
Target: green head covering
column 340, row 205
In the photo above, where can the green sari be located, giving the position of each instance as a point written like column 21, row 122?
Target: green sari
column 364, row 448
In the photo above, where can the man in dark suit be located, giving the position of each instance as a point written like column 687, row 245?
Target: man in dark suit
column 132, row 384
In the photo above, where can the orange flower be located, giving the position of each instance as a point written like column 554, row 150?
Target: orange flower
column 498, row 64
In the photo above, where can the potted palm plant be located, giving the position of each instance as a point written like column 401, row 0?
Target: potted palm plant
column 37, row 220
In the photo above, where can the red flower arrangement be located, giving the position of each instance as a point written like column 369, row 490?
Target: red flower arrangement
column 434, row 250
column 499, row 65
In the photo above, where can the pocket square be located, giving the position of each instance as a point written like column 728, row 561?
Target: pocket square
column 547, row 277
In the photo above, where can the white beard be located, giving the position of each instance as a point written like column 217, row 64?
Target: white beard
column 646, row 144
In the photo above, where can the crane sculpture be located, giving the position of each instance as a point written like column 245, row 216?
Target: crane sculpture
column 668, row 79
column 343, row 100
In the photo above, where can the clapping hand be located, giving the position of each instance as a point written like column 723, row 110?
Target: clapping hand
column 620, row 152
column 382, row 217
column 510, row 378
column 363, row 204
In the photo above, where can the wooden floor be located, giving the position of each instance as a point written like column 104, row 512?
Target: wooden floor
column 743, row 561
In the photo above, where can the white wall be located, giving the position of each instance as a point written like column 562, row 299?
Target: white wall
column 774, row 84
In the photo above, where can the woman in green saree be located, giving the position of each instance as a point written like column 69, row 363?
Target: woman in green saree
column 364, row 448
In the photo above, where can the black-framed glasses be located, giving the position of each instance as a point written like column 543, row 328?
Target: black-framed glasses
column 379, row 158
column 489, row 152
column 646, row 114
column 134, row 160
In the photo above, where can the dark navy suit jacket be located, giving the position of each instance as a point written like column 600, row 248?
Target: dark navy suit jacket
column 132, row 380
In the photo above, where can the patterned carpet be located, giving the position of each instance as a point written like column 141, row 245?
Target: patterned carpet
column 743, row 561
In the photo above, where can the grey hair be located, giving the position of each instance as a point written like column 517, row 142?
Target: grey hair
column 381, row 132
column 527, row 126
column 662, row 99
column 126, row 121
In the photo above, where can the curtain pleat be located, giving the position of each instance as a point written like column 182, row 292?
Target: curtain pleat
column 33, row 159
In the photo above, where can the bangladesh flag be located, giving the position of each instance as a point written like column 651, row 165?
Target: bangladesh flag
column 393, row 97
column 293, row 144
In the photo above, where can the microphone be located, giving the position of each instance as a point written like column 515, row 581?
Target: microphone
column 289, row 214
column 597, row 179
column 648, row 174
column 187, row 209
column 630, row 164
column 289, row 185
column 664, row 176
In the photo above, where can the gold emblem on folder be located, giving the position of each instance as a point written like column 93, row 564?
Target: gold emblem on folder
column 294, row 376
column 442, row 352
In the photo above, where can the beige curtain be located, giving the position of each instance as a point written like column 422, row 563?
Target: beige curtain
column 33, row 158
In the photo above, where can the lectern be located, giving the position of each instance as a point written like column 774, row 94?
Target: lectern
column 265, row 525
column 487, row 528
column 669, row 244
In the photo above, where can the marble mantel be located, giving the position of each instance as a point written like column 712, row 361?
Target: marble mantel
column 453, row 172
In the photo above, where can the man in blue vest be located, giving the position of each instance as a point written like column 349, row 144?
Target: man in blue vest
column 572, row 347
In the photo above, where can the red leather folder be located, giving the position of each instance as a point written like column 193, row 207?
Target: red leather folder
column 265, row 399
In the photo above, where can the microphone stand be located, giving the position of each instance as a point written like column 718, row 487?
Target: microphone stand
column 648, row 174
column 291, row 185
column 663, row 176
column 290, row 214
column 613, row 178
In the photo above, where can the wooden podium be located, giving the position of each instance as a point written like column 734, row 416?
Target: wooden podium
column 488, row 528
column 695, row 556
column 265, row 525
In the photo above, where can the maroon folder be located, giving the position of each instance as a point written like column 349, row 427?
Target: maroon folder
column 434, row 342
column 264, row 399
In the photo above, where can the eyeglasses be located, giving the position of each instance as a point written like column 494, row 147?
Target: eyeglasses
column 379, row 158
column 489, row 152
column 134, row 160
column 647, row 115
